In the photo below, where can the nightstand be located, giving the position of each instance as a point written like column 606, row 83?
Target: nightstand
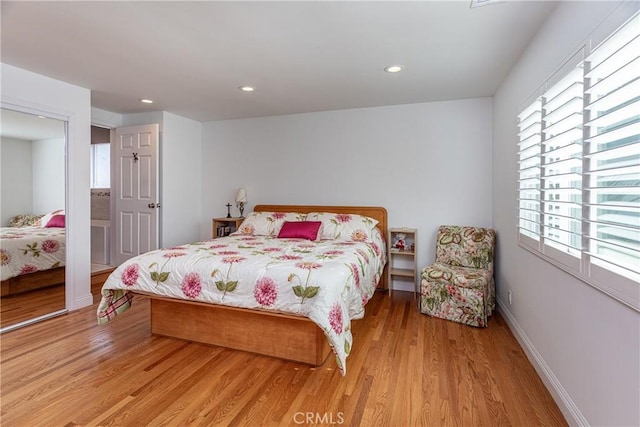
column 224, row 226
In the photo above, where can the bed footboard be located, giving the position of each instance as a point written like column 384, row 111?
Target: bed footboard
column 271, row 334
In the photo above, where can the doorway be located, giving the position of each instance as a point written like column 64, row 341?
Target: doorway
column 124, row 193
column 100, row 173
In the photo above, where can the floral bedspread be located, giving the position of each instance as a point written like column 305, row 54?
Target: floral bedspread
column 328, row 281
column 29, row 249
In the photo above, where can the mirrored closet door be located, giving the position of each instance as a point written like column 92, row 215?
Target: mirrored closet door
column 32, row 215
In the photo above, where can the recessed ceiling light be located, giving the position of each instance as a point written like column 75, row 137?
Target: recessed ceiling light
column 41, row 117
column 247, row 88
column 394, row 68
column 147, row 101
column 478, row 3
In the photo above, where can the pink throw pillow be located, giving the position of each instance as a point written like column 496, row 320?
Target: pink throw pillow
column 56, row 221
column 300, row 230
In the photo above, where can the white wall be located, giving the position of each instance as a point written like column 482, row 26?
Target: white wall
column 35, row 93
column 48, row 175
column 428, row 164
column 142, row 119
column 105, row 119
column 181, row 178
column 16, row 177
column 585, row 345
column 33, row 176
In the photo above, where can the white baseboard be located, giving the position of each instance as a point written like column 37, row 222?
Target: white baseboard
column 567, row 406
column 82, row 302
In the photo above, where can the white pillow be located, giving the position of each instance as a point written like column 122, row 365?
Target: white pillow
column 351, row 227
column 267, row 223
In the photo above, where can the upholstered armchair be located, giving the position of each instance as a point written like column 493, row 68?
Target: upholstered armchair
column 460, row 286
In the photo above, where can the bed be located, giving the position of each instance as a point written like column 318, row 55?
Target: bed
column 32, row 257
column 286, row 297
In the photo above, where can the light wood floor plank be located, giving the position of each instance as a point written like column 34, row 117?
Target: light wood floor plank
column 28, row 305
column 405, row 369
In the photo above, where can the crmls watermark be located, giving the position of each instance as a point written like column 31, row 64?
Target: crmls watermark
column 318, row 418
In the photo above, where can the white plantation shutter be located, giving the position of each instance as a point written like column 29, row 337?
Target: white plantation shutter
column 579, row 167
column 562, row 168
column 529, row 206
column 612, row 152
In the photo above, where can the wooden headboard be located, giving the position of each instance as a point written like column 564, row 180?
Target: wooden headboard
column 376, row 212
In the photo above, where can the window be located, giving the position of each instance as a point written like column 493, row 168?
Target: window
column 100, row 166
column 579, row 167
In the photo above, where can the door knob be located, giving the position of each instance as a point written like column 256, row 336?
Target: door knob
column 151, row 205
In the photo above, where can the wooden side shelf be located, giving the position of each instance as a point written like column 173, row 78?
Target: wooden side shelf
column 405, row 272
column 402, row 261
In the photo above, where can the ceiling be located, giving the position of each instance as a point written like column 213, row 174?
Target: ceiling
column 191, row 57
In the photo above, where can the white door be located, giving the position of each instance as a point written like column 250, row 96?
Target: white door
column 135, row 191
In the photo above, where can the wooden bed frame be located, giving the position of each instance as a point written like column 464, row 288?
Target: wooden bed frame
column 279, row 335
column 28, row 282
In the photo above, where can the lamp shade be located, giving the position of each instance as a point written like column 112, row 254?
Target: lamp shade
column 241, row 196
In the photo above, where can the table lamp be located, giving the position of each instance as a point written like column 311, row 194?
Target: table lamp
column 241, row 199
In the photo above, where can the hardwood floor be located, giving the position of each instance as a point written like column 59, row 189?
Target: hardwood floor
column 31, row 304
column 405, row 369
column 25, row 306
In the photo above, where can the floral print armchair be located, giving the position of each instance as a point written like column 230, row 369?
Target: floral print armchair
column 460, row 286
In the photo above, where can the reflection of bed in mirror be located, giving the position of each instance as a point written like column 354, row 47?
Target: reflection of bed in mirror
column 32, row 169
column 33, row 257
